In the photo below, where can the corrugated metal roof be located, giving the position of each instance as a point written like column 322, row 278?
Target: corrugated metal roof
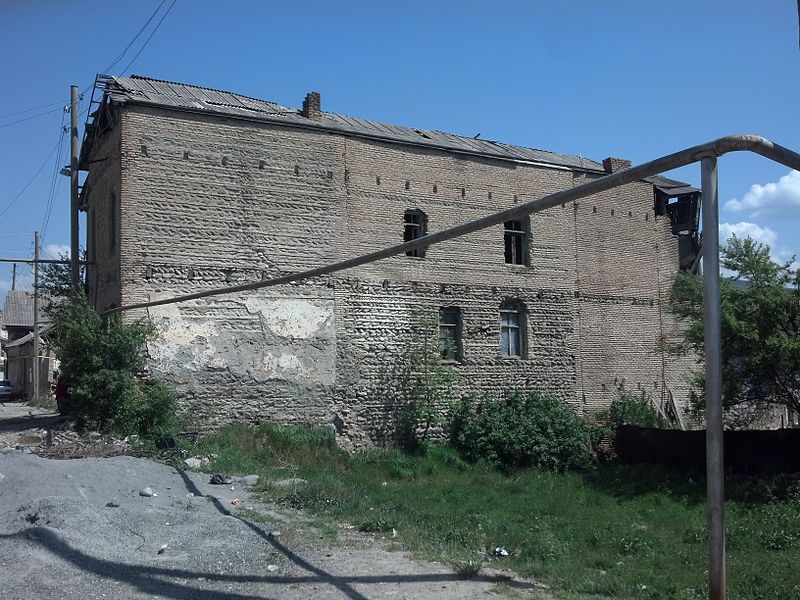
column 155, row 92
column 18, row 311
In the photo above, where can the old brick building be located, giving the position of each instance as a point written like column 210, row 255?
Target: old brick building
column 190, row 188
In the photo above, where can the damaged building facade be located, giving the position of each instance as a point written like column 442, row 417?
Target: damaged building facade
column 190, row 189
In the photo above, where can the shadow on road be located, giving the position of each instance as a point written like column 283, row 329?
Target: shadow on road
column 155, row 580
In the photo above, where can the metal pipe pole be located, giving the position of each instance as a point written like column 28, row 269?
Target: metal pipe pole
column 715, row 472
column 36, row 317
column 74, row 267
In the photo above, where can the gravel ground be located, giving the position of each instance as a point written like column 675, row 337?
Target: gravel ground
column 80, row 529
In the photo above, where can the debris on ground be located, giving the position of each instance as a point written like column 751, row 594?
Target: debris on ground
column 501, row 551
column 148, row 493
column 220, row 479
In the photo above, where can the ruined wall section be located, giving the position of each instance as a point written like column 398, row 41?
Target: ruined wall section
column 626, row 259
column 103, row 190
column 210, row 202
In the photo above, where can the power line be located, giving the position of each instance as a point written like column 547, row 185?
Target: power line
column 30, row 181
column 106, row 70
column 42, row 114
column 136, row 37
column 55, row 182
column 152, row 33
column 27, row 110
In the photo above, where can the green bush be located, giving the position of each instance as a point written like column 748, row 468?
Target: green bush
column 629, row 408
column 521, row 431
column 100, row 360
column 421, row 387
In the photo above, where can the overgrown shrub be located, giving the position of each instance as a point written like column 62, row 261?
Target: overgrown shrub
column 522, row 430
column 630, row 408
column 100, row 359
column 627, row 408
column 422, row 388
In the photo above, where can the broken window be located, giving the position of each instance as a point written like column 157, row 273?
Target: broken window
column 416, row 226
column 512, row 330
column 450, row 333
column 515, row 237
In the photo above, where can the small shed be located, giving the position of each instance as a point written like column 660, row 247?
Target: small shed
column 20, row 366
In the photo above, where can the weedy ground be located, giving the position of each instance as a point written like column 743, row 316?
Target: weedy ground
column 616, row 531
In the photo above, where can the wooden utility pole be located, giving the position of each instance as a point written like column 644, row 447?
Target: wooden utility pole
column 14, row 276
column 36, row 317
column 74, row 265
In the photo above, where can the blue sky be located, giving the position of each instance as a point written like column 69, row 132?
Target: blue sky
column 630, row 79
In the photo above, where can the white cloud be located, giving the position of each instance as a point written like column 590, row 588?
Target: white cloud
column 781, row 198
column 765, row 235
column 56, row 250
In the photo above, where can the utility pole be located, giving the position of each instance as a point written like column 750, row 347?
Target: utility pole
column 14, row 276
column 36, row 317
column 74, row 265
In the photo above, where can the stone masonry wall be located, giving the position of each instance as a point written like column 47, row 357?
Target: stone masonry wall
column 209, row 201
column 209, row 206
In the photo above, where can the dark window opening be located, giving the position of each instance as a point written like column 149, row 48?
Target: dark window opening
column 512, row 330
column 450, row 334
column 515, row 237
column 416, row 226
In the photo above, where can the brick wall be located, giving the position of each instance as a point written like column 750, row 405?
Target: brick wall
column 208, row 202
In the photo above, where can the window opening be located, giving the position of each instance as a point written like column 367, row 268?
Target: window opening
column 512, row 331
column 515, row 237
column 416, row 226
column 450, row 333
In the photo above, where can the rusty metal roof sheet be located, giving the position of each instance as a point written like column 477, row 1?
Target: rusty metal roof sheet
column 144, row 90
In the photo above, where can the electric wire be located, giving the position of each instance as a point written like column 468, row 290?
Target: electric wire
column 31, row 180
column 42, row 114
column 152, row 33
column 55, row 182
column 27, row 110
column 110, row 66
column 136, row 37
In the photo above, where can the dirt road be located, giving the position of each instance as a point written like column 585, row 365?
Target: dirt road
column 80, row 529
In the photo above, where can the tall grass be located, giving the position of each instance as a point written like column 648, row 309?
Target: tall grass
column 619, row 531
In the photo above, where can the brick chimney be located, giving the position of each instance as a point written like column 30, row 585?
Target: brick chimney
column 311, row 107
column 612, row 165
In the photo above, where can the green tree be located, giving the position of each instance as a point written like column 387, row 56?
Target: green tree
column 760, row 316
column 100, row 360
column 55, row 278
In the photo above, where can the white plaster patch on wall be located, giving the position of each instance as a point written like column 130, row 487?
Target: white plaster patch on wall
column 279, row 365
column 294, row 318
column 192, row 338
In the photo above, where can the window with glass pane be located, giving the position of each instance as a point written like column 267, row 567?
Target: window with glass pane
column 416, row 225
column 515, row 237
column 450, row 333
column 510, row 333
